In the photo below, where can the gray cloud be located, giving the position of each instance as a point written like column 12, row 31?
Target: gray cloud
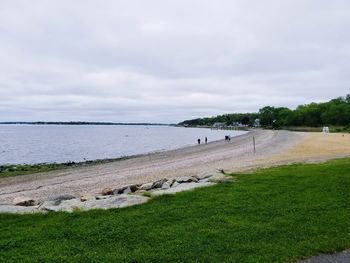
column 165, row 61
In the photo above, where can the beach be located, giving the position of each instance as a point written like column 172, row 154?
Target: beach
column 272, row 148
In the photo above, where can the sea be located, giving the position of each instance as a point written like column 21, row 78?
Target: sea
column 34, row 144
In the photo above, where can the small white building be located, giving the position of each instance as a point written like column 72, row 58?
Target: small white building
column 325, row 129
column 257, row 123
column 218, row 125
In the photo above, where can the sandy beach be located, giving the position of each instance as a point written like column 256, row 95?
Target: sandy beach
column 272, row 148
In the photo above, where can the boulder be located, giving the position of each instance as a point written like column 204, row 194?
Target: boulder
column 61, row 197
column 85, row 198
column 147, row 186
column 194, row 179
column 119, row 191
column 106, row 203
column 204, row 175
column 13, row 209
column 107, row 191
column 115, row 202
column 168, row 184
column 187, row 179
column 65, row 205
column 24, row 201
column 196, row 176
column 126, row 189
column 45, row 204
column 159, row 183
column 175, row 184
column 134, row 187
column 100, row 197
column 180, row 188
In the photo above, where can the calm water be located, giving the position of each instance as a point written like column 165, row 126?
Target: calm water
column 61, row 143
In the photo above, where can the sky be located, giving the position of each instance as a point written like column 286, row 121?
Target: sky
column 167, row 61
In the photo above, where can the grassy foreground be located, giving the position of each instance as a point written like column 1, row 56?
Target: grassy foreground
column 275, row 215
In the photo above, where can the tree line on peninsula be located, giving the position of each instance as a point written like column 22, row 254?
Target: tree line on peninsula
column 335, row 112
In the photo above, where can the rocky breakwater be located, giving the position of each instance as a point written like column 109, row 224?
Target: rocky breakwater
column 125, row 196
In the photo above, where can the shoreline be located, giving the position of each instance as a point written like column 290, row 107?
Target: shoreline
column 78, row 160
column 77, row 164
column 273, row 148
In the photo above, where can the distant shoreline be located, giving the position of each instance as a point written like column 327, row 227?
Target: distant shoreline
column 82, row 123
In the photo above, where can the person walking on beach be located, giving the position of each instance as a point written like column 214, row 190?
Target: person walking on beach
column 206, row 140
column 199, row 141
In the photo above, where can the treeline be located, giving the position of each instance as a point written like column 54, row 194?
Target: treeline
column 333, row 113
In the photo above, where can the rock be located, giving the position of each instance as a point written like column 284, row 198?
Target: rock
column 194, row 179
column 49, row 204
column 159, row 183
column 126, row 189
column 87, row 198
column 24, row 201
column 195, row 176
column 134, row 187
column 119, row 191
column 106, row 203
column 204, row 175
column 187, row 179
column 115, row 202
column 107, row 191
column 12, row 209
column 100, row 197
column 175, row 184
column 61, row 197
column 168, row 184
column 65, row 205
column 147, row 186
column 180, row 188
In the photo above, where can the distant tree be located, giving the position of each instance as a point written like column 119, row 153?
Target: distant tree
column 333, row 112
column 267, row 116
column 347, row 98
column 282, row 117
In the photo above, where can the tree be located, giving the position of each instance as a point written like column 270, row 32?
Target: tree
column 267, row 115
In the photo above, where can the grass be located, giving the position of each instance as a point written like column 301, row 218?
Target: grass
column 9, row 170
column 22, row 169
column 276, row 215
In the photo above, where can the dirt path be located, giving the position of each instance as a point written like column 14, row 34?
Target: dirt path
column 273, row 147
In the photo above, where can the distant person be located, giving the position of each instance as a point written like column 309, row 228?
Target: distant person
column 206, row 140
column 199, row 141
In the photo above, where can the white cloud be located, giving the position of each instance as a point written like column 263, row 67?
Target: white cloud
column 165, row 61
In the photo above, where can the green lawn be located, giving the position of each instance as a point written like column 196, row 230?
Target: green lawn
column 275, row 215
column 22, row 169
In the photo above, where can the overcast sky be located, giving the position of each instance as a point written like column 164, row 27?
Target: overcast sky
column 166, row 61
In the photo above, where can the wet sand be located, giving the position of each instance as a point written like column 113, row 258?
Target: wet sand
column 272, row 148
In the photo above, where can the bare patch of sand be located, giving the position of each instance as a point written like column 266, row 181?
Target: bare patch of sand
column 319, row 145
